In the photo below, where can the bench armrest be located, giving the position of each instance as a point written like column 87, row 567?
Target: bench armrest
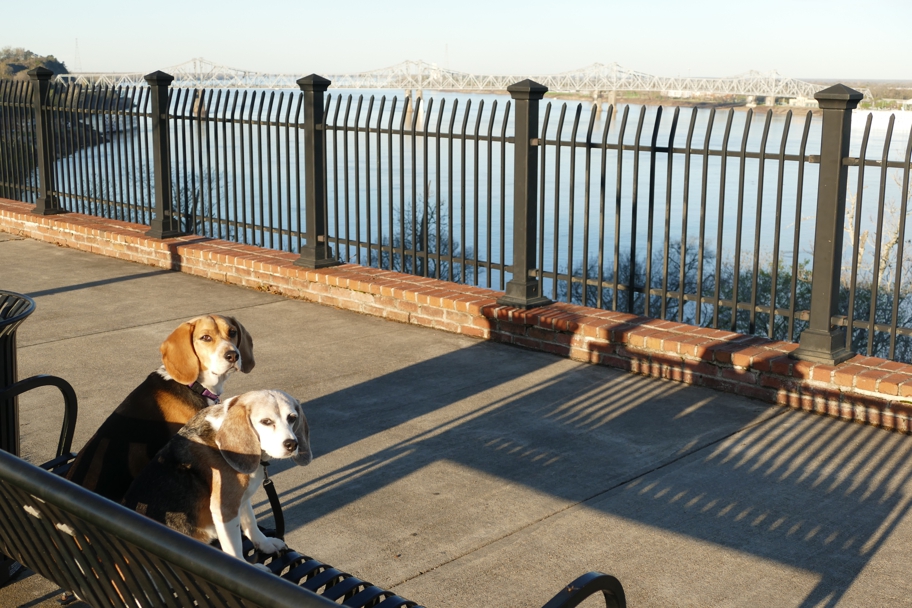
column 586, row 585
column 70, row 406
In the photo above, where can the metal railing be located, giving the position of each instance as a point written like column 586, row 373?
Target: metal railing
column 699, row 216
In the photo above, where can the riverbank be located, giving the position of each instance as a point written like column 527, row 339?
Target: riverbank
column 674, row 102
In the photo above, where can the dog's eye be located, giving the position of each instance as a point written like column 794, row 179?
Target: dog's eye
column 292, row 418
column 232, row 333
column 206, row 338
column 266, row 422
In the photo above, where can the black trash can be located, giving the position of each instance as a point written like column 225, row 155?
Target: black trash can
column 14, row 308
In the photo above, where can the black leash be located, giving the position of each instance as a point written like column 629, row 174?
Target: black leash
column 274, row 503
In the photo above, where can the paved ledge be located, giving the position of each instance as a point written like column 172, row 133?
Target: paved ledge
column 864, row 389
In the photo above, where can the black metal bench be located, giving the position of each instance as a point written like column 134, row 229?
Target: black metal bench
column 111, row 556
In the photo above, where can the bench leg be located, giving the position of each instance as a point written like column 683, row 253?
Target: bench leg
column 9, row 569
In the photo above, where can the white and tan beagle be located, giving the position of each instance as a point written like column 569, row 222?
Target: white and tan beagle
column 201, row 483
column 197, row 359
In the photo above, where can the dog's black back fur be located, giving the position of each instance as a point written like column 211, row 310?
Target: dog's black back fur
column 123, row 445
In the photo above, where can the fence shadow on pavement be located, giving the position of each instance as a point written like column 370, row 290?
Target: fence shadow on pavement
column 808, row 492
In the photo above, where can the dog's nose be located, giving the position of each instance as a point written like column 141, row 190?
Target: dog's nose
column 290, row 444
column 232, row 356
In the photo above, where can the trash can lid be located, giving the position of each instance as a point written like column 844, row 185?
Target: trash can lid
column 14, row 308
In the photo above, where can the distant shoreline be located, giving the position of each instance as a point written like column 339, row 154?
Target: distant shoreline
column 683, row 103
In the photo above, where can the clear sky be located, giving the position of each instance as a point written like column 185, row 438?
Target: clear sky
column 862, row 39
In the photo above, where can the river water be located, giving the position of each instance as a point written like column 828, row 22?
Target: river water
column 637, row 205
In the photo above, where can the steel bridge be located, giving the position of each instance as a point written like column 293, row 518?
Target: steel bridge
column 417, row 76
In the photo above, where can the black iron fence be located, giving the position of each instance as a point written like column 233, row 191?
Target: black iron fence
column 727, row 218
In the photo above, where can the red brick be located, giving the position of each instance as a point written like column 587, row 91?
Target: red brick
column 374, row 311
column 601, row 347
column 415, row 319
column 779, row 382
column 887, row 420
column 737, row 375
column 481, row 323
column 901, row 409
column 677, row 374
column 672, row 359
column 723, row 355
column 557, row 349
column 475, row 332
column 638, row 336
column 349, row 305
column 656, row 340
column 622, row 333
column 527, row 342
column 597, row 329
column 866, row 361
column 444, row 325
column 329, row 301
column 407, row 306
column 432, row 312
column 458, row 317
column 867, row 381
column 583, row 354
column 703, row 347
column 743, row 358
column 845, row 374
column 512, row 328
column 822, row 373
column 396, row 315
column 616, row 362
column 802, row 369
column 761, row 361
column 542, row 334
column 895, row 366
column 683, row 344
column 702, row 367
column 499, row 336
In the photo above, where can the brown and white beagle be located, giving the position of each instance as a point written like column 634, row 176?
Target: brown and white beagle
column 202, row 481
column 197, row 359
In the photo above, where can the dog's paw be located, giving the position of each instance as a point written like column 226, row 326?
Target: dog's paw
column 270, row 545
column 263, row 567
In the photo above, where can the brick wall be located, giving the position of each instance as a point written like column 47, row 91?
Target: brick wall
column 864, row 389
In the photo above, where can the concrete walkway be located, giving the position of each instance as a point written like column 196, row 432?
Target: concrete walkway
column 462, row 473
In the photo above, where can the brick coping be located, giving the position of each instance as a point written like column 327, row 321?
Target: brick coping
column 864, row 389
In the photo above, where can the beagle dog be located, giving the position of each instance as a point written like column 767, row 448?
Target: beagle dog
column 197, row 359
column 201, row 483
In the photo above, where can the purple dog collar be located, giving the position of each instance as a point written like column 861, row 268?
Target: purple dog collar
column 205, row 392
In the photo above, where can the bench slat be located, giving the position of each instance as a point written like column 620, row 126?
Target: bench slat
column 322, row 579
column 364, row 597
column 342, row 588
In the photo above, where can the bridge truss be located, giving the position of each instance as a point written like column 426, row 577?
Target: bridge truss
column 417, row 76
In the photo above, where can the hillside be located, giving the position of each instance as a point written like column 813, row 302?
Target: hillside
column 16, row 62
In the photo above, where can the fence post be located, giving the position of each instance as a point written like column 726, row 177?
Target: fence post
column 316, row 252
column 166, row 220
column 47, row 203
column 524, row 289
column 822, row 342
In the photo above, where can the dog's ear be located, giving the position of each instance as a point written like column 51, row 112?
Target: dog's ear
column 245, row 346
column 179, row 356
column 236, row 439
column 302, row 434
